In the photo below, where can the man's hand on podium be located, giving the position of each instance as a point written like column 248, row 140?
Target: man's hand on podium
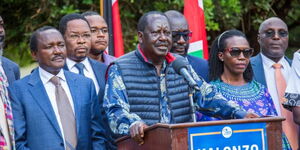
column 251, row 115
column 137, row 132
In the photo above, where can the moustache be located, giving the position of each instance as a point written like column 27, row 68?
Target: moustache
column 162, row 44
column 58, row 57
column 82, row 47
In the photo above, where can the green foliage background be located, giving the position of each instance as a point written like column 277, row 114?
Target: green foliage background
column 21, row 17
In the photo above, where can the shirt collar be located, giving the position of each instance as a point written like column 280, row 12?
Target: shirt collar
column 71, row 63
column 268, row 62
column 142, row 53
column 46, row 76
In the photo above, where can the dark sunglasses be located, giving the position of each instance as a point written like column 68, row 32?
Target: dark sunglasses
column 236, row 51
column 185, row 35
column 271, row 33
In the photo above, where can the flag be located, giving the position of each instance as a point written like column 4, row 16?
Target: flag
column 112, row 17
column 194, row 13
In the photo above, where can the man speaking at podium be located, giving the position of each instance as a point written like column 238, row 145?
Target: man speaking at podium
column 143, row 88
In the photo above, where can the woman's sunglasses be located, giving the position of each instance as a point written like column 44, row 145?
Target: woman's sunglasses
column 236, row 51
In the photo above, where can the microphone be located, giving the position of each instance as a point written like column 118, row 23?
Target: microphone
column 180, row 66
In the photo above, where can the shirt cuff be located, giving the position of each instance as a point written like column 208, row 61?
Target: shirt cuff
column 239, row 114
column 135, row 123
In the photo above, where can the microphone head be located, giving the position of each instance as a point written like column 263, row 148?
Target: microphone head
column 178, row 63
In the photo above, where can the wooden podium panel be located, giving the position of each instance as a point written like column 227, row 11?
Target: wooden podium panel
column 175, row 136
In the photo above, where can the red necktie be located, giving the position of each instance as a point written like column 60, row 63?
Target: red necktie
column 288, row 126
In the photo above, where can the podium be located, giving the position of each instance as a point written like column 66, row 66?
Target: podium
column 186, row 136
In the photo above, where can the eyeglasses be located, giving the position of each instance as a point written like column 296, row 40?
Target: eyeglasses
column 185, row 35
column 77, row 36
column 271, row 33
column 236, row 51
column 97, row 30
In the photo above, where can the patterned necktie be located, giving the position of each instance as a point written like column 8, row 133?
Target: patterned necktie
column 80, row 67
column 66, row 114
column 289, row 127
column 8, row 111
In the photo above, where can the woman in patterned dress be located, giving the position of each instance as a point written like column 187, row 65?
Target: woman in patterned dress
column 231, row 73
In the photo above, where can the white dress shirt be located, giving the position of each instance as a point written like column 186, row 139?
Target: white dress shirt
column 270, row 77
column 88, row 70
column 50, row 89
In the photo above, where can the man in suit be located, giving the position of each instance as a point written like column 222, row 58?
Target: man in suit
column 77, row 34
column 99, row 34
column 99, row 31
column 55, row 109
column 273, row 41
column 9, row 72
column 180, row 36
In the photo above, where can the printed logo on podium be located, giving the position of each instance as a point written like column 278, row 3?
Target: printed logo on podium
column 247, row 136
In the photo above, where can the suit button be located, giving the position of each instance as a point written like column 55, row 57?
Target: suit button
column 61, row 144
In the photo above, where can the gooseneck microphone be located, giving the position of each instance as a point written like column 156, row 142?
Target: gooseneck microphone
column 180, row 65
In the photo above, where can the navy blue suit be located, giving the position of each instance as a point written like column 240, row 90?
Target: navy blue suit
column 11, row 70
column 36, row 126
column 200, row 66
column 99, row 70
column 258, row 69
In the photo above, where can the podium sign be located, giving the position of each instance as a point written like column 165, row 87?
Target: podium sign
column 250, row 136
column 240, row 134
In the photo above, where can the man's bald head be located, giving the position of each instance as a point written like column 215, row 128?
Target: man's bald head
column 273, row 38
column 176, row 18
column 270, row 20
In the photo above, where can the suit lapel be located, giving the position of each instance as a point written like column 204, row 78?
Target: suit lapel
column 99, row 73
column 66, row 67
column 38, row 92
column 8, row 70
column 258, row 69
column 75, row 92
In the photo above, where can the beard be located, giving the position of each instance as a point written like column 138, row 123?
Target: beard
column 186, row 48
column 96, row 52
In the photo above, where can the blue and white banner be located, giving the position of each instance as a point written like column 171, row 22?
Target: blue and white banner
column 246, row 136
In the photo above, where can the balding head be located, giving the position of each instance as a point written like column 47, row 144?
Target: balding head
column 270, row 21
column 176, row 19
column 273, row 38
column 144, row 20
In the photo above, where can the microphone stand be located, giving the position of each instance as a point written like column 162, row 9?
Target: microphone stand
column 192, row 90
